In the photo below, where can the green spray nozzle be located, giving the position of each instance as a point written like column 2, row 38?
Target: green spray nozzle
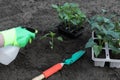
column 31, row 30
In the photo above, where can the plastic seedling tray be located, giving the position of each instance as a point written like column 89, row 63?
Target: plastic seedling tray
column 72, row 33
column 114, row 63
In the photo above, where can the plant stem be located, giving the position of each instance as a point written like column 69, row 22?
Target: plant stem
column 52, row 41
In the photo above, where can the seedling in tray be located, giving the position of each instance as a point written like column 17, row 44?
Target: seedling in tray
column 106, row 31
column 71, row 17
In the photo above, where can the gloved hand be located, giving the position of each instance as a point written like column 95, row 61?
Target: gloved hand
column 18, row 36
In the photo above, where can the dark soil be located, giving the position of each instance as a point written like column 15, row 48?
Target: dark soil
column 37, row 56
column 114, row 55
column 102, row 54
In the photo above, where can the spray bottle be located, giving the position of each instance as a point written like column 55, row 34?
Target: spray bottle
column 8, row 54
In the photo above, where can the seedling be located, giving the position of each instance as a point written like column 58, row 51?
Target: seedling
column 106, row 31
column 70, row 15
column 52, row 36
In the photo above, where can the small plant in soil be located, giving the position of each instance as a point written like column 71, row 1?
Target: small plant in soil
column 71, row 17
column 52, row 37
column 106, row 31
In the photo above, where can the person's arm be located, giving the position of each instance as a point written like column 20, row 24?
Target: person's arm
column 1, row 40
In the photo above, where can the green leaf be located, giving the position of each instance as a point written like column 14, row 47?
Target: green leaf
column 61, row 16
column 97, row 49
column 113, row 48
column 66, row 17
column 73, row 22
column 44, row 36
column 95, row 26
column 104, row 31
column 54, row 6
column 66, row 5
column 60, row 38
column 99, row 36
column 114, row 34
column 90, row 43
column 50, row 43
column 82, row 15
column 106, row 20
column 111, row 26
column 74, row 5
column 99, row 18
column 51, row 47
column 52, row 34
column 113, row 15
column 104, row 11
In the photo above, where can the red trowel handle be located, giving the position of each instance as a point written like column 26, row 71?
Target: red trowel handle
column 53, row 70
column 49, row 71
